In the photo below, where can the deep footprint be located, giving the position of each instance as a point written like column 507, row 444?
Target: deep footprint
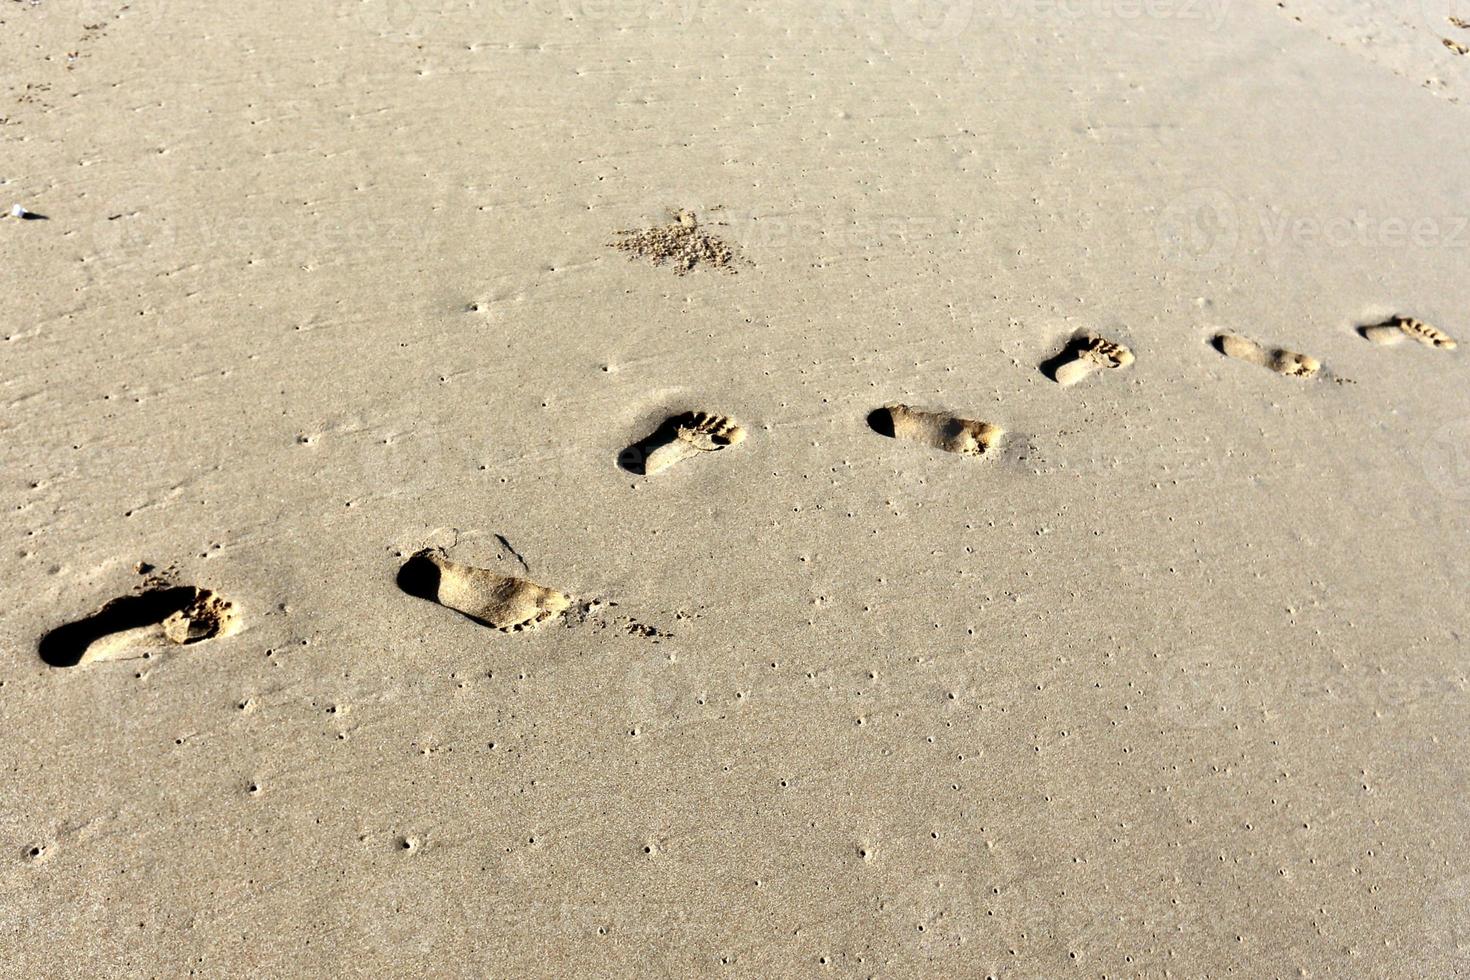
column 130, row 626
column 941, row 430
column 1086, row 356
column 679, row 438
column 1396, row 330
column 1278, row 359
column 499, row 601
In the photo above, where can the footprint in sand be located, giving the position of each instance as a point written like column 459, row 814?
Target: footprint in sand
column 133, row 626
column 1085, row 356
column 679, row 438
column 683, row 243
column 1396, row 330
column 938, row 429
column 1278, row 359
column 505, row 603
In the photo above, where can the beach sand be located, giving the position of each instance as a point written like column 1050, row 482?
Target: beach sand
column 1168, row 679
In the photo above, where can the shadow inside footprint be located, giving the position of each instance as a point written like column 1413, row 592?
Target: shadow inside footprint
column 1397, row 329
column 880, row 420
column 634, row 459
column 419, row 577
column 1069, row 353
column 66, row 645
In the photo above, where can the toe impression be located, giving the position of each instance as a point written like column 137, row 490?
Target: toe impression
column 681, row 437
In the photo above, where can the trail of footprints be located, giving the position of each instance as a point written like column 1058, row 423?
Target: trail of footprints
column 162, row 614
